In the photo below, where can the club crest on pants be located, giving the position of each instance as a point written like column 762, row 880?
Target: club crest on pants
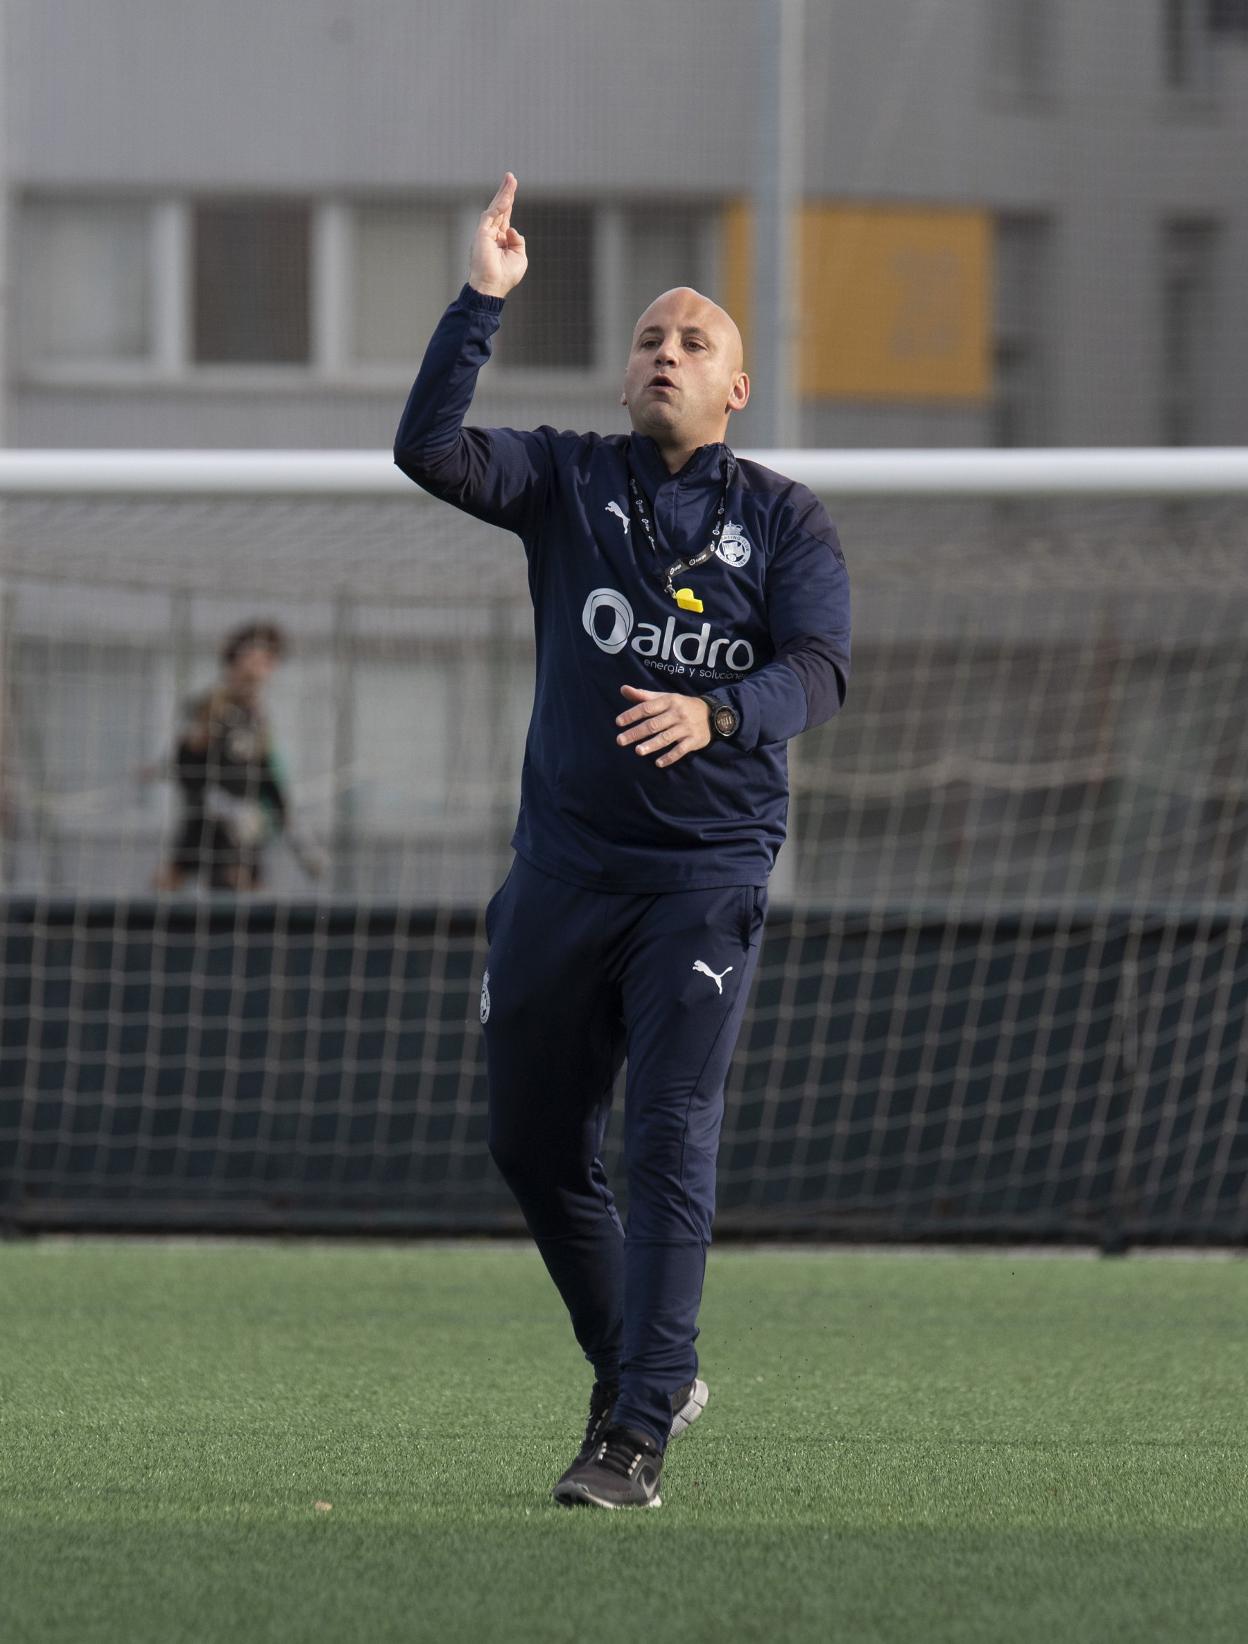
column 485, row 998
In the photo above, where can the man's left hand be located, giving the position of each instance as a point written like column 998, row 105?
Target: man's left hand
column 669, row 725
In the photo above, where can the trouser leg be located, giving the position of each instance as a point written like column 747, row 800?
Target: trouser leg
column 690, row 962
column 554, row 1044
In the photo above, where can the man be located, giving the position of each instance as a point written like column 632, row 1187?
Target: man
column 691, row 614
column 233, row 797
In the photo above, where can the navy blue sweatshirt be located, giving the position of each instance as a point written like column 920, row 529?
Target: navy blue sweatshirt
column 772, row 639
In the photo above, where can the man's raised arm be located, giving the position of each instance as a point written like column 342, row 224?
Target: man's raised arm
column 497, row 474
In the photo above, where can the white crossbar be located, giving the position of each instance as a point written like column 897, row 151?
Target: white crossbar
column 1139, row 472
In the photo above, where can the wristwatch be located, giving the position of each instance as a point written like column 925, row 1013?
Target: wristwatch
column 725, row 720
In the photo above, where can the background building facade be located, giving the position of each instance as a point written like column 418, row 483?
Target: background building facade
column 1024, row 220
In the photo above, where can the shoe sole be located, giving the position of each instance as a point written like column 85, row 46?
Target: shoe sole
column 690, row 1410
column 576, row 1495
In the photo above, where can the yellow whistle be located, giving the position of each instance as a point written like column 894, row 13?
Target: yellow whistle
column 688, row 600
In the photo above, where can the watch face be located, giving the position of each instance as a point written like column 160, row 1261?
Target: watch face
column 725, row 721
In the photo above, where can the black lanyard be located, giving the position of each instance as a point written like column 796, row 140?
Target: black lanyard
column 639, row 509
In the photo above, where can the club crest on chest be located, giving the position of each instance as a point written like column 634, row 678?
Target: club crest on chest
column 734, row 546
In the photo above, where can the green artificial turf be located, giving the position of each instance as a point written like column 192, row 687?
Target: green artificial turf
column 901, row 1446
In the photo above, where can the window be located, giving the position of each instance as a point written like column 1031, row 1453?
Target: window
column 89, row 720
column 1187, row 61
column 84, row 281
column 665, row 246
column 550, row 318
column 405, row 758
column 1022, row 278
column 1228, row 17
column 1021, row 46
column 404, row 259
column 169, row 285
column 1188, row 303
column 251, row 283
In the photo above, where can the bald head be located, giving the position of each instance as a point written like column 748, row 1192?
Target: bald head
column 685, row 374
column 693, row 307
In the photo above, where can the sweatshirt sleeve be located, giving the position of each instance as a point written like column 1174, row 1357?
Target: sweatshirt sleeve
column 496, row 474
column 808, row 614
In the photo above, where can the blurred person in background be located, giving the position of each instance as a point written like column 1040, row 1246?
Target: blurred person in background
column 235, row 799
column 692, row 614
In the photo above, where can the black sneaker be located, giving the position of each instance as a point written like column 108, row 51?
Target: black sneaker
column 622, row 1472
column 602, row 1397
column 688, row 1403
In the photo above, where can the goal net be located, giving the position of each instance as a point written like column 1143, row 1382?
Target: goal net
column 1004, row 986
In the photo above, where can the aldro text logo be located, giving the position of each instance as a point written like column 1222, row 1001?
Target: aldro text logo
column 609, row 621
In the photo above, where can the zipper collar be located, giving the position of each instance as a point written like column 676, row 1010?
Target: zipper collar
column 706, row 465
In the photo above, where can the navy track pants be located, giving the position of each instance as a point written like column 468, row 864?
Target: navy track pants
column 577, row 982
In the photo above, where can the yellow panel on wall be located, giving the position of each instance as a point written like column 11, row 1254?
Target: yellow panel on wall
column 737, row 273
column 895, row 301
